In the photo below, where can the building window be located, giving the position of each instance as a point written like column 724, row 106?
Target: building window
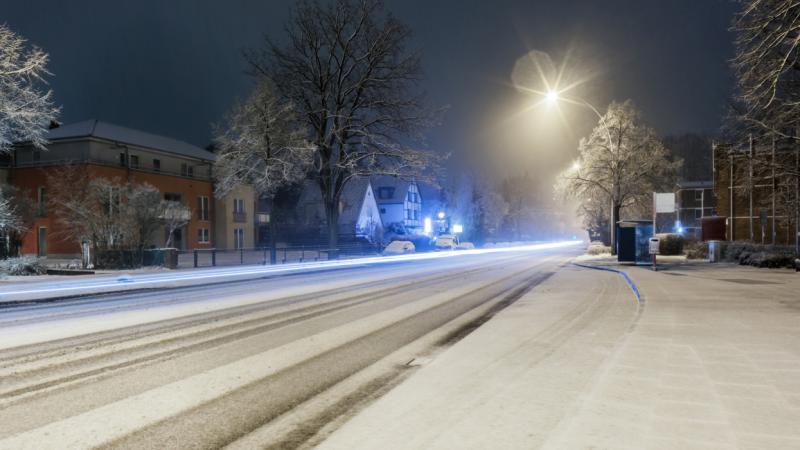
column 698, row 195
column 157, row 165
column 37, row 156
column 187, row 170
column 383, row 210
column 238, row 205
column 202, row 235
column 123, row 160
column 385, row 192
column 698, row 213
column 41, row 202
column 202, row 208
column 134, row 161
column 172, row 197
column 238, row 238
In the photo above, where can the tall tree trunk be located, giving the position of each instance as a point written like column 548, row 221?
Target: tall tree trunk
column 332, row 219
column 273, row 251
column 613, row 227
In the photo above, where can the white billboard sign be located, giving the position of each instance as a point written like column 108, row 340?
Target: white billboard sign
column 664, row 203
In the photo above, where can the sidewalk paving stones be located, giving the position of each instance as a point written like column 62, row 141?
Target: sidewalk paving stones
column 710, row 359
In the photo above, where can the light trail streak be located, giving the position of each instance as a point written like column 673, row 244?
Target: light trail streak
column 129, row 282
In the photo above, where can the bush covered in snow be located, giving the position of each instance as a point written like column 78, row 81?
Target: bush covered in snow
column 24, row 265
column 598, row 249
column 670, row 244
column 751, row 254
column 696, row 250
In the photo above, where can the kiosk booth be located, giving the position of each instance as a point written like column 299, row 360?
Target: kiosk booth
column 633, row 241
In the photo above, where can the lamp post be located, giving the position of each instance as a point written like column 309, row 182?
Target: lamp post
column 552, row 97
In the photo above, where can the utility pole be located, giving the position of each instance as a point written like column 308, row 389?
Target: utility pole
column 773, row 189
column 750, row 187
column 732, row 218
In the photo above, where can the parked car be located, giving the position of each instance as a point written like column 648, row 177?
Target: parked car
column 399, row 248
column 446, row 242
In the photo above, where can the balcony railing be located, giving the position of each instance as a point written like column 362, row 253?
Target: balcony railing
column 109, row 163
column 240, row 217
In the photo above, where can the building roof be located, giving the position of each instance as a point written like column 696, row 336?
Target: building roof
column 400, row 188
column 695, row 184
column 352, row 198
column 103, row 130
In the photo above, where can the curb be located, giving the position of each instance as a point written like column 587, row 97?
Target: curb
column 624, row 275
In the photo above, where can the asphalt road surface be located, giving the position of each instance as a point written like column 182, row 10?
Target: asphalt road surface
column 266, row 362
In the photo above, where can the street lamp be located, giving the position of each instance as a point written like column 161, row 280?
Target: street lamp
column 552, row 97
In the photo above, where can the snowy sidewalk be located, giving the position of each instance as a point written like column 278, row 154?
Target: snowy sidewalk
column 710, row 359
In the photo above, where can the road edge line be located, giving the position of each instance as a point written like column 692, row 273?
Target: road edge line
column 624, row 275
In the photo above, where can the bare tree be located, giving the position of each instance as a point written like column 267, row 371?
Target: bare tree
column 26, row 109
column 175, row 215
column 261, row 145
column 766, row 110
column 142, row 215
column 347, row 70
column 115, row 217
column 767, row 68
column 622, row 161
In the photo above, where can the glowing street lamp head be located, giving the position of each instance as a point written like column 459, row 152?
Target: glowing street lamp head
column 440, row 215
column 552, row 97
column 576, row 166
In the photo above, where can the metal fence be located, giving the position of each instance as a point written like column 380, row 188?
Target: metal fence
column 261, row 255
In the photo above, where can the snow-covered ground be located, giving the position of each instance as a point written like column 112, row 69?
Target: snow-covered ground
column 204, row 366
column 708, row 359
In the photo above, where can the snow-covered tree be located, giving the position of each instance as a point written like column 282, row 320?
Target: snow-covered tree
column 142, row 215
column 476, row 203
column 117, row 218
column 622, row 161
column 175, row 215
column 347, row 70
column 767, row 67
column 260, row 144
column 26, row 106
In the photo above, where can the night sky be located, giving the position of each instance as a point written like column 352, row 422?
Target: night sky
column 174, row 67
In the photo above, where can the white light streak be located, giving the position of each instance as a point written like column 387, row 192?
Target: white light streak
column 127, row 282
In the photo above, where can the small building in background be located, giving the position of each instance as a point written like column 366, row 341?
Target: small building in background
column 694, row 200
column 399, row 202
column 180, row 171
column 694, row 192
column 236, row 219
column 759, row 202
column 358, row 212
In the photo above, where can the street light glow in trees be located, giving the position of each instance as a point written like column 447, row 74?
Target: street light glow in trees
column 552, row 98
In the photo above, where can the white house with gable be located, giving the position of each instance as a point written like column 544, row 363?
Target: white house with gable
column 399, row 202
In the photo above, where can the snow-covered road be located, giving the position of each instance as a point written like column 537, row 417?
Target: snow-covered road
column 60, row 288
column 250, row 361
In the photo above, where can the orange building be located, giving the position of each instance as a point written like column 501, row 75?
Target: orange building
column 181, row 171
